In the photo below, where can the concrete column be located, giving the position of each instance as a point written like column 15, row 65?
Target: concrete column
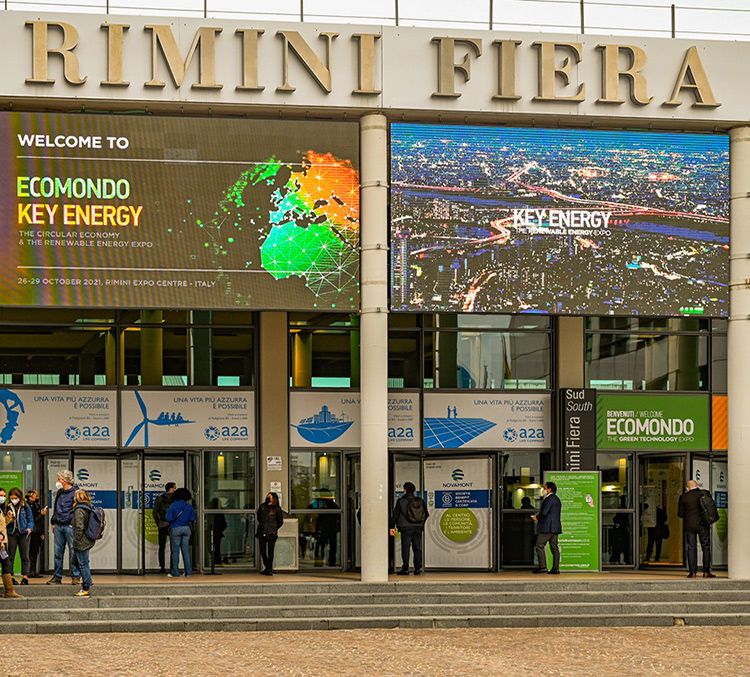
column 738, row 365
column 374, row 346
column 273, row 394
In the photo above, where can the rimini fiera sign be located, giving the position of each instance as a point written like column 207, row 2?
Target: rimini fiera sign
column 311, row 65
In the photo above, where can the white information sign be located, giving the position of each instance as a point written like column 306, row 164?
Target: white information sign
column 98, row 476
column 458, row 531
column 69, row 418
column 188, row 418
column 319, row 419
column 481, row 420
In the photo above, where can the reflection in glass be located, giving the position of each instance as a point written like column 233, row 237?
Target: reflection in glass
column 229, row 477
column 637, row 362
column 617, row 537
column 662, row 483
column 523, row 475
column 315, row 480
column 230, row 539
column 320, row 540
column 616, row 472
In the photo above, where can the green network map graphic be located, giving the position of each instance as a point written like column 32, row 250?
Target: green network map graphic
column 308, row 227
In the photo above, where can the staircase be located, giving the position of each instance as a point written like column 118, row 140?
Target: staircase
column 183, row 606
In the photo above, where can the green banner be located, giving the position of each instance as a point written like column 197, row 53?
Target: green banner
column 8, row 480
column 659, row 422
column 579, row 493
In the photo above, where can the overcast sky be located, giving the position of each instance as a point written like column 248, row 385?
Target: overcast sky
column 708, row 19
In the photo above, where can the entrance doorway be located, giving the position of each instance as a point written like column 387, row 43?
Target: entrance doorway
column 353, row 514
column 662, row 481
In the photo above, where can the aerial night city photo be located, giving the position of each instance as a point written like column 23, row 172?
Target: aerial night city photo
column 582, row 222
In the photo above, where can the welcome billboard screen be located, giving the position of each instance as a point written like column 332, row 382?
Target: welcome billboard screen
column 126, row 211
column 497, row 219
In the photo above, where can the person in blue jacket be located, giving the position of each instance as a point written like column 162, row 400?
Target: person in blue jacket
column 548, row 529
column 181, row 518
column 19, row 520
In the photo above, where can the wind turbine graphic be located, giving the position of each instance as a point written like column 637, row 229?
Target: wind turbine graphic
column 163, row 419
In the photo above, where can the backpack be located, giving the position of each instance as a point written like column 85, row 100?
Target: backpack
column 708, row 508
column 416, row 511
column 95, row 523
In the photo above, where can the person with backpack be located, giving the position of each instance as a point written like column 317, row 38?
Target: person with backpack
column 181, row 518
column 408, row 517
column 62, row 527
column 161, row 505
column 19, row 522
column 698, row 512
column 83, row 513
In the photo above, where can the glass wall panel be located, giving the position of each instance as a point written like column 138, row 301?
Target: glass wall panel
column 617, row 473
column 403, row 359
column 320, row 539
column 230, row 539
column 315, row 479
column 719, row 363
column 617, row 537
column 229, row 480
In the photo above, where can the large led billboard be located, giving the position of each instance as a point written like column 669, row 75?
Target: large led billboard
column 583, row 222
column 136, row 211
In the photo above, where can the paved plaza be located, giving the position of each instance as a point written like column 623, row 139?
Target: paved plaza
column 563, row 651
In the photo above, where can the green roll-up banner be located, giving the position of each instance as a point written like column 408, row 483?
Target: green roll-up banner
column 580, row 542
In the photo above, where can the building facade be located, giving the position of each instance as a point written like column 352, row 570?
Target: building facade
column 248, row 257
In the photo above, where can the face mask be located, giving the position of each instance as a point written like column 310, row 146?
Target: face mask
column 2, row 500
column 14, row 501
column 58, row 485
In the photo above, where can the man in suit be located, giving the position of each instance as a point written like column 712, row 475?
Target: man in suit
column 548, row 528
column 695, row 526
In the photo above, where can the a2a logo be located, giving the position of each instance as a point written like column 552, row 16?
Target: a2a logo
column 226, row 432
column 512, row 435
column 400, row 433
column 97, row 432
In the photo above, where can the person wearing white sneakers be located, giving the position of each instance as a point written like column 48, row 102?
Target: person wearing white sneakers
column 82, row 544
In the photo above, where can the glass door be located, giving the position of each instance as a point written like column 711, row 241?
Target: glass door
column 132, row 513
column 52, row 463
column 158, row 470
column 353, row 515
column 406, row 468
column 662, row 481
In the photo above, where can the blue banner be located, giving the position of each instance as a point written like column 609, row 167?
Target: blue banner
column 465, row 498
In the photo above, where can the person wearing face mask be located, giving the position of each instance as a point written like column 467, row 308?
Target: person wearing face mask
column 6, row 566
column 62, row 527
column 270, row 519
column 37, row 535
column 19, row 521
column 548, row 529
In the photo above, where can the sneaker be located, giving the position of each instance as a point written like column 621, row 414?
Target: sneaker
column 75, row 581
column 54, row 581
column 24, row 581
column 553, row 571
column 173, row 576
column 82, row 593
column 402, row 572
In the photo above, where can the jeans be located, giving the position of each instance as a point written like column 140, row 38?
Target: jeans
column 20, row 542
column 692, row 549
column 267, row 545
column 82, row 557
column 179, row 541
column 411, row 539
column 541, row 542
column 63, row 538
column 163, row 538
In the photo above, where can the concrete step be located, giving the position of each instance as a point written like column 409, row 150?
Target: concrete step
column 342, row 623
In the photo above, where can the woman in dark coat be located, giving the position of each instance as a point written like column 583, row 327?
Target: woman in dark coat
column 270, row 519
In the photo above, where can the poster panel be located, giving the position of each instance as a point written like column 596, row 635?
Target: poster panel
column 657, row 422
column 579, row 493
column 458, row 532
column 719, row 530
column 99, row 478
column 325, row 418
column 188, row 418
column 480, row 420
column 159, row 212
column 565, row 221
column 70, row 418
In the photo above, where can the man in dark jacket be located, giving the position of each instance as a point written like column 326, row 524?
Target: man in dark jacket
column 37, row 535
column 548, row 529
column 695, row 526
column 409, row 518
column 62, row 527
column 161, row 505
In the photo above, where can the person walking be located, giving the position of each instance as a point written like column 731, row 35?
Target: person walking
column 82, row 544
column 181, row 518
column 161, row 505
column 62, row 527
column 19, row 523
column 548, row 529
column 6, row 564
column 37, row 534
column 270, row 518
column 696, row 528
column 409, row 516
